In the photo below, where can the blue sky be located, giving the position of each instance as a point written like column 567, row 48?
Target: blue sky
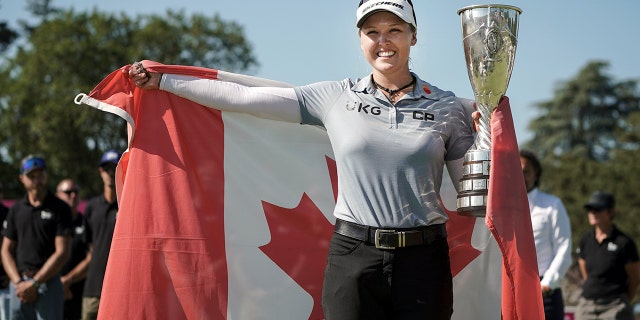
column 301, row 42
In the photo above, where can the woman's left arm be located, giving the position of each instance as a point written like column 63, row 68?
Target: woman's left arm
column 455, row 168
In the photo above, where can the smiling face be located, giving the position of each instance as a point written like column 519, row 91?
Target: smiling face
column 386, row 40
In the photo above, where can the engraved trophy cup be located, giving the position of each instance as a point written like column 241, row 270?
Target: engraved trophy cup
column 489, row 38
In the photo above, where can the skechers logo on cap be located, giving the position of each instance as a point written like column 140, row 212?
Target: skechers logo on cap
column 380, row 3
column 401, row 8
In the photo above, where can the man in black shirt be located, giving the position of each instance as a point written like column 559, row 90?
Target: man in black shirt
column 608, row 261
column 100, row 214
column 35, row 246
column 73, row 273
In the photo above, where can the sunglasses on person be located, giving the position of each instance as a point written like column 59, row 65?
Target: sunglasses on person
column 70, row 191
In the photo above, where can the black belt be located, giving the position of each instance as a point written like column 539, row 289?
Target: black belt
column 387, row 238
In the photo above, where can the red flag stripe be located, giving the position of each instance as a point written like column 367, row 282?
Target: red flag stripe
column 509, row 220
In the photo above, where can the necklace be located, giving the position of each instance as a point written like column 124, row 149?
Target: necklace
column 393, row 92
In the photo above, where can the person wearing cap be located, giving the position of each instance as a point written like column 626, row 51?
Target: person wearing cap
column 100, row 221
column 35, row 246
column 72, row 273
column 551, row 235
column 609, row 266
column 392, row 133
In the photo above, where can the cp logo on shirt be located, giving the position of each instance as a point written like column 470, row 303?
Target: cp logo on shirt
column 419, row 115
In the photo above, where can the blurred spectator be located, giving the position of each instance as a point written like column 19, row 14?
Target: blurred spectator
column 36, row 245
column 74, row 272
column 551, row 234
column 608, row 261
column 100, row 214
column 4, row 280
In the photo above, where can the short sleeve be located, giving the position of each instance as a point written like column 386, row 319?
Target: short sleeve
column 8, row 226
column 316, row 99
column 631, row 252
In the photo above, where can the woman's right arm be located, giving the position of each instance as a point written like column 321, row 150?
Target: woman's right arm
column 275, row 103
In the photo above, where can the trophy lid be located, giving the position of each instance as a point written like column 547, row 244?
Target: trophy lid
column 489, row 6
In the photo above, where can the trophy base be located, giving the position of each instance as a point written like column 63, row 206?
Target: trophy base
column 474, row 185
column 465, row 208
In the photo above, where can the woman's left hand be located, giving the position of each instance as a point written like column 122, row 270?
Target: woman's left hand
column 504, row 102
column 476, row 120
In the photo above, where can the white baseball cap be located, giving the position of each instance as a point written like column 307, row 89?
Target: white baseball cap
column 401, row 8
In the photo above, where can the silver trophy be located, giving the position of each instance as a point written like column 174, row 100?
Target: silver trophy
column 490, row 36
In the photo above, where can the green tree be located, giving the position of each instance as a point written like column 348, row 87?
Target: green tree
column 7, row 35
column 622, row 177
column 587, row 137
column 41, row 8
column 69, row 53
column 568, row 177
column 584, row 115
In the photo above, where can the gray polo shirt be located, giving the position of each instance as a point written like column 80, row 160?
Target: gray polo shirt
column 389, row 158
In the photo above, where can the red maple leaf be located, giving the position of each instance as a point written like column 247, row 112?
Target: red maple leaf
column 300, row 242
column 299, row 246
column 459, row 231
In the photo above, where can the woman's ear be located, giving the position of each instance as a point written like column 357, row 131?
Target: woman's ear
column 414, row 39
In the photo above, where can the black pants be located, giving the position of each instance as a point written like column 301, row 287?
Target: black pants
column 363, row 282
column 553, row 305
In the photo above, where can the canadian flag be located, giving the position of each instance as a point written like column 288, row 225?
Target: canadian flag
column 227, row 216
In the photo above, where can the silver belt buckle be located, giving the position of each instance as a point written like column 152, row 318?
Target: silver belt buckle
column 401, row 238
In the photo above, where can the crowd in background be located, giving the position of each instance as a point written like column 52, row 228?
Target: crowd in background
column 53, row 256
column 607, row 258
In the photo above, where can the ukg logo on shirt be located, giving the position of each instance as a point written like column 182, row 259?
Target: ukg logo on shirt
column 360, row 107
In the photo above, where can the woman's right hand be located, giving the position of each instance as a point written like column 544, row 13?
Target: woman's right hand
column 142, row 78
